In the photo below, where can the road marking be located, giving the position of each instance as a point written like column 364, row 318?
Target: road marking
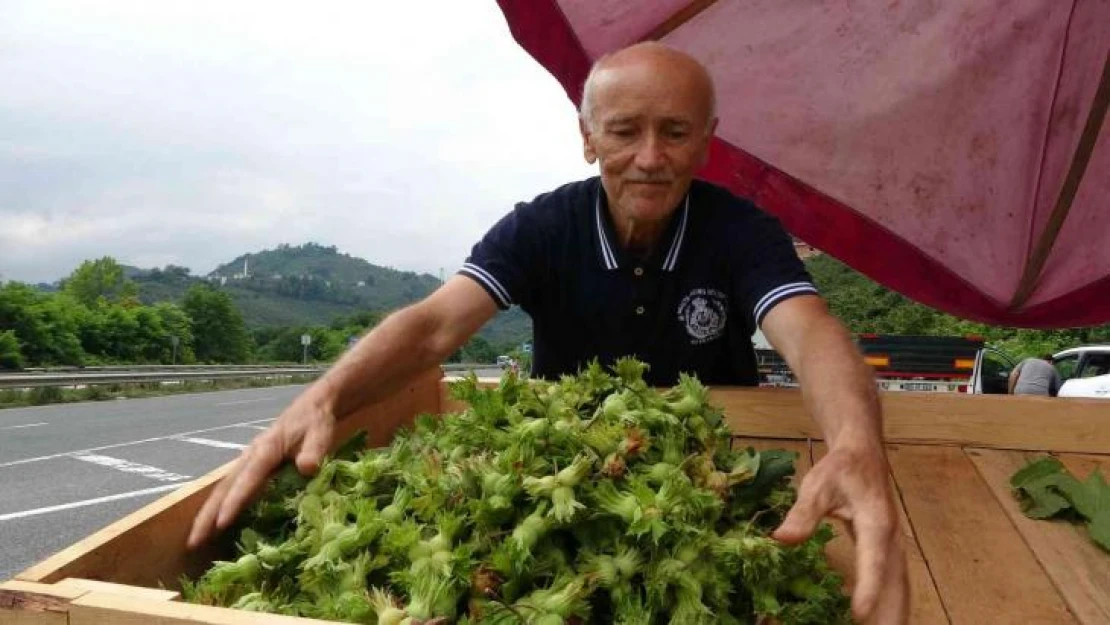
column 210, row 443
column 87, row 502
column 145, row 440
column 127, row 466
column 256, row 427
column 29, row 425
column 246, row 401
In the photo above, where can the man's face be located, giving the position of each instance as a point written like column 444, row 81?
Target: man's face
column 649, row 128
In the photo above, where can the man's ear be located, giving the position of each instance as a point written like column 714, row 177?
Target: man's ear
column 703, row 158
column 587, row 141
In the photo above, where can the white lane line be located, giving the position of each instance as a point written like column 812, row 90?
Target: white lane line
column 246, row 401
column 87, row 502
column 210, row 443
column 13, row 463
column 29, row 425
column 256, row 427
column 127, row 466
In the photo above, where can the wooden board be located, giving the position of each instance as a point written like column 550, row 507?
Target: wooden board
column 1001, row 422
column 122, row 552
column 90, row 585
column 100, row 608
column 983, row 570
column 925, row 604
column 1078, row 568
column 28, row 603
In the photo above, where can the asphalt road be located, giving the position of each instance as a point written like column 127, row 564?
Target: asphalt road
column 68, row 470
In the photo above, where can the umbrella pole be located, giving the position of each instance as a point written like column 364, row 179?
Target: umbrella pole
column 1078, row 168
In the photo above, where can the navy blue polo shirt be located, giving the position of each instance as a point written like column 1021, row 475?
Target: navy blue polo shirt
column 690, row 306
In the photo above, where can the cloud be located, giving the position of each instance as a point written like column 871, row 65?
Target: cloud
column 189, row 133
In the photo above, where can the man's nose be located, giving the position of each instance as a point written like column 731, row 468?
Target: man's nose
column 649, row 155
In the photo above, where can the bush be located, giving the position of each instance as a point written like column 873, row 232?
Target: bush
column 94, row 393
column 46, row 395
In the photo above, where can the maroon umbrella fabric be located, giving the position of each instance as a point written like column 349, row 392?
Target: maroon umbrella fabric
column 952, row 151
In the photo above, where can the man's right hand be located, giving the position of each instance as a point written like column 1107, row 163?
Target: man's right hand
column 402, row 346
column 302, row 433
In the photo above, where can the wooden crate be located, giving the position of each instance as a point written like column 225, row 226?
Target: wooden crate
column 974, row 558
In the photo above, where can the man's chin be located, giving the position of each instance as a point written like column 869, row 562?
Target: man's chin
column 652, row 209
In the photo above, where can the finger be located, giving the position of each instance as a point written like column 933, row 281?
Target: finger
column 317, row 443
column 893, row 606
column 875, row 548
column 261, row 461
column 206, row 518
column 804, row 516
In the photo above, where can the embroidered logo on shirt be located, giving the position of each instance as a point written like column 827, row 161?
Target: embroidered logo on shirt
column 704, row 312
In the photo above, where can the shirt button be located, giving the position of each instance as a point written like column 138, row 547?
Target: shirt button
column 639, row 271
column 639, row 310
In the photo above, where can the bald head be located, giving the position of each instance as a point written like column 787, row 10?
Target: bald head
column 629, row 69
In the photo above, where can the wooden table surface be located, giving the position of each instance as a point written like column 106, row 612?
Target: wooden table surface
column 973, row 556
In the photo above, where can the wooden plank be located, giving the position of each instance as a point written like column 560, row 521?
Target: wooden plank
column 984, row 571
column 1078, row 568
column 89, row 585
column 124, row 551
column 925, row 603
column 101, row 608
column 995, row 421
column 1082, row 465
column 28, row 603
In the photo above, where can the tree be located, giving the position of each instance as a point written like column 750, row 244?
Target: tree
column 177, row 323
column 219, row 334
column 478, row 349
column 10, row 356
column 99, row 278
column 44, row 325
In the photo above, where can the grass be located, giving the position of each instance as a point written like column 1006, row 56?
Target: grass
column 16, row 398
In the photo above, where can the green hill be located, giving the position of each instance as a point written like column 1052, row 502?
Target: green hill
column 312, row 284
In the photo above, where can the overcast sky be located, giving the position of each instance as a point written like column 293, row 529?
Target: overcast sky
column 191, row 132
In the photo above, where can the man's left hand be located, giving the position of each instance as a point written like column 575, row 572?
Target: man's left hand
column 853, row 485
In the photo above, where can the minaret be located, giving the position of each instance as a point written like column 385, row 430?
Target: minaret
column 246, row 266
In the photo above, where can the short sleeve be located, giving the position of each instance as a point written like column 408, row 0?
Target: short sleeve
column 503, row 261
column 769, row 271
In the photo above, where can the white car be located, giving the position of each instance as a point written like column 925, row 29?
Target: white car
column 1085, row 371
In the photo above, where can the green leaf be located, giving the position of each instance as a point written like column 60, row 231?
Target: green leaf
column 1090, row 498
column 1099, row 529
column 1036, row 470
column 1041, row 500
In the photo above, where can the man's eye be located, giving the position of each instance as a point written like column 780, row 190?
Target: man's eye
column 678, row 133
column 623, row 133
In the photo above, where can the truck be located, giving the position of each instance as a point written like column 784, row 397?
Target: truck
column 905, row 362
column 901, row 362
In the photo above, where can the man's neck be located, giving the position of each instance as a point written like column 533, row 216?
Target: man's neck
column 639, row 238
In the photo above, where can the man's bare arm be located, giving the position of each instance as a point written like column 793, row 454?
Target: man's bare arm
column 838, row 388
column 852, row 481
column 388, row 357
column 404, row 344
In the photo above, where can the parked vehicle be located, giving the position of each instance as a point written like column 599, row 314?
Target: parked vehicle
column 1085, row 371
column 920, row 363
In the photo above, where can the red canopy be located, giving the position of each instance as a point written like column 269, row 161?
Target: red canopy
column 952, row 151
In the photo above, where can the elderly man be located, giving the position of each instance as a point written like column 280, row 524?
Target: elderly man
column 642, row 261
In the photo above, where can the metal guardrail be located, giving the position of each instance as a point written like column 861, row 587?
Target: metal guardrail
column 156, row 373
column 35, row 380
column 122, row 368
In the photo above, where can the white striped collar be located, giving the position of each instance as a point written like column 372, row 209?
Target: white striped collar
column 609, row 258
